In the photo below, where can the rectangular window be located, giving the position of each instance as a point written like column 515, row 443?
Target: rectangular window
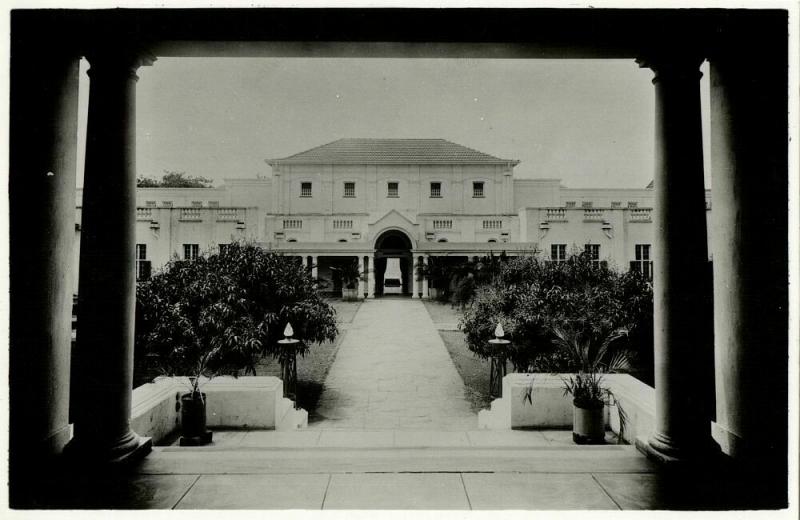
column 342, row 224
column 142, row 264
column 586, row 204
column 492, row 224
column 349, row 190
column 150, row 203
column 191, row 251
column 642, row 262
column 477, row 190
column 292, row 223
column 392, row 190
column 213, row 203
column 558, row 252
column 593, row 252
column 197, row 203
column 436, row 190
column 305, row 189
column 569, row 204
column 632, row 205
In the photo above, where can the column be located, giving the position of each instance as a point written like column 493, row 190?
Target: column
column 414, row 276
column 682, row 424
column 425, row 262
column 43, row 145
column 107, row 290
column 371, row 276
column 314, row 267
column 749, row 223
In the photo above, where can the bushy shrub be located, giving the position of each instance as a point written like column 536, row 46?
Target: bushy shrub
column 221, row 313
column 530, row 297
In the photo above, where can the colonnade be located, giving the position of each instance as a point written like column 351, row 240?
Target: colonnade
column 102, row 379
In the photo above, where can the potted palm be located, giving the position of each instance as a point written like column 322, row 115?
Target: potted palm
column 350, row 276
column 591, row 358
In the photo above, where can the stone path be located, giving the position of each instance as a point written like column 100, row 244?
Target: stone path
column 392, row 371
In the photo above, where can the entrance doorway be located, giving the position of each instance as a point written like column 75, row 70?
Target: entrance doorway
column 393, row 264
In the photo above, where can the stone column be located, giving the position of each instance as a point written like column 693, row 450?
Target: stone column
column 682, row 425
column 425, row 262
column 107, row 290
column 314, row 267
column 749, row 222
column 371, row 276
column 43, row 144
column 414, row 276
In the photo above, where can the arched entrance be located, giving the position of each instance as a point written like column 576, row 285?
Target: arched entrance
column 393, row 249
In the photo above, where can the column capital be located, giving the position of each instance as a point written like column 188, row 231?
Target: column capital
column 118, row 59
column 672, row 66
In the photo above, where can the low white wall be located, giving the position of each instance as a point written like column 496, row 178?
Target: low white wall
column 550, row 408
column 244, row 402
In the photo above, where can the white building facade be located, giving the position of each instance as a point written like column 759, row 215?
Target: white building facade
column 414, row 200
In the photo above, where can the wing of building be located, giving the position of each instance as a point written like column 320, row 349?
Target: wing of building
column 372, row 200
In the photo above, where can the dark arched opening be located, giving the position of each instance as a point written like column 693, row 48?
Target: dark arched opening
column 391, row 245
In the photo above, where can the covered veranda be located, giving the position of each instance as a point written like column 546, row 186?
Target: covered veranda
column 718, row 405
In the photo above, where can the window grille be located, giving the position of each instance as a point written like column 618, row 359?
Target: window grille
column 349, row 190
column 558, row 252
column 642, row 263
column 436, row 190
column 292, row 223
column 593, row 251
column 492, row 224
column 305, row 189
column 477, row 189
column 166, row 203
column 150, row 203
column 142, row 264
column 632, row 205
column 570, row 204
column 616, row 204
column 587, row 204
column 392, row 190
column 191, row 251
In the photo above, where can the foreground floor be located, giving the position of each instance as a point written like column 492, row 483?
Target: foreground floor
column 392, row 371
column 398, row 469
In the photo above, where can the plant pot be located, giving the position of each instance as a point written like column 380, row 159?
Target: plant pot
column 349, row 295
column 588, row 424
column 193, row 420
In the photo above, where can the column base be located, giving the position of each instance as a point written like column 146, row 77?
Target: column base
column 130, row 451
column 664, row 451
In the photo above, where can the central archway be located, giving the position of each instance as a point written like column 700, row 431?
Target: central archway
column 393, row 249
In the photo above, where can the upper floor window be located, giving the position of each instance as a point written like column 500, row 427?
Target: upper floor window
column 492, row 224
column 633, row 205
column 569, row 204
column 477, row 189
column 642, row 262
column 213, row 203
column 191, row 251
column 392, row 190
column 150, row 204
column 587, row 204
column 305, row 189
column 197, row 203
column 593, row 252
column 436, row 190
column 292, row 223
column 142, row 264
column 558, row 252
column 349, row 190
column 442, row 224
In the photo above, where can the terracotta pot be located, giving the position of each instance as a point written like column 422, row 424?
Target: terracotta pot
column 588, row 424
column 193, row 420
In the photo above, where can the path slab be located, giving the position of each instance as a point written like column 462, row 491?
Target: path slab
column 535, row 491
column 256, row 492
column 392, row 371
column 396, row 491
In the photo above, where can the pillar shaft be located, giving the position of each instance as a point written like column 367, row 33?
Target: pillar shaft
column 425, row 262
column 371, row 277
column 415, row 276
column 43, row 138
column 314, row 267
column 107, row 287
column 682, row 428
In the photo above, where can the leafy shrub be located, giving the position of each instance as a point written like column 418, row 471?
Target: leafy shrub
column 531, row 297
column 220, row 314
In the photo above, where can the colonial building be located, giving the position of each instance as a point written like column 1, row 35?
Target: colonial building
column 372, row 200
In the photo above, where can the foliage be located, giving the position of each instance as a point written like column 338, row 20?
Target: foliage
column 221, row 313
column 458, row 280
column 174, row 179
column 531, row 297
column 349, row 273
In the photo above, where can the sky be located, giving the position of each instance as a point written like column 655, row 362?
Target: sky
column 587, row 122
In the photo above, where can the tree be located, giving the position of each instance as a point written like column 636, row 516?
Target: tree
column 174, row 179
column 532, row 297
column 220, row 314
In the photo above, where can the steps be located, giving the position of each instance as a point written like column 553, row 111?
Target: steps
column 289, row 418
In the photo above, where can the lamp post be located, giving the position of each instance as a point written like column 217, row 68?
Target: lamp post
column 497, row 370
column 288, row 360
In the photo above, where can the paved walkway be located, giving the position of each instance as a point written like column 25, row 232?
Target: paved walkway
column 392, row 371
